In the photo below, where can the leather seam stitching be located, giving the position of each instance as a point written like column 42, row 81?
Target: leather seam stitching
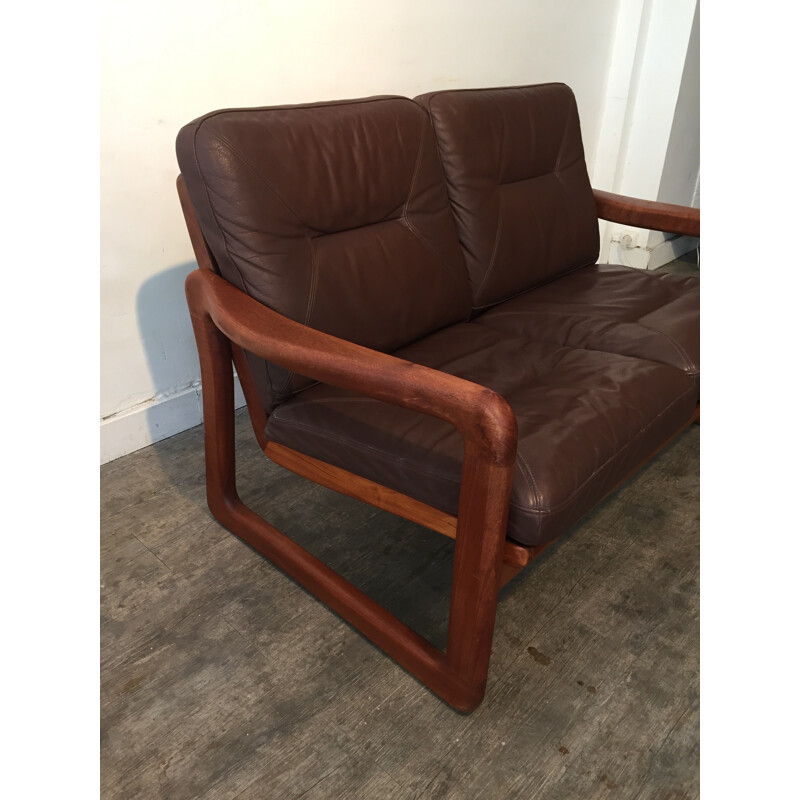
column 303, row 106
column 224, row 238
column 405, row 218
column 637, row 321
column 564, row 503
column 529, row 475
column 417, row 164
column 214, row 214
column 675, row 343
column 312, row 294
column 553, row 172
column 572, row 110
column 532, row 288
column 495, row 249
column 246, row 161
column 362, row 446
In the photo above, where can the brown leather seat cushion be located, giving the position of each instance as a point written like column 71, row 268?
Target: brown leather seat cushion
column 585, row 419
column 611, row 308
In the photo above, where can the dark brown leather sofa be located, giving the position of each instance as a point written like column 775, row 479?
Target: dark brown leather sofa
column 410, row 294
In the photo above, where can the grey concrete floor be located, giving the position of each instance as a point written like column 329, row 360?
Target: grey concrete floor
column 221, row 678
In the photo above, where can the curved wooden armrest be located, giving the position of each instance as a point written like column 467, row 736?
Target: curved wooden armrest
column 647, row 214
column 482, row 416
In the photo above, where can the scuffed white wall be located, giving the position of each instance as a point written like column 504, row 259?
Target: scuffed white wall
column 165, row 63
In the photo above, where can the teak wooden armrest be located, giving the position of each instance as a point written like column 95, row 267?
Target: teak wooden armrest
column 482, row 416
column 647, row 214
column 221, row 314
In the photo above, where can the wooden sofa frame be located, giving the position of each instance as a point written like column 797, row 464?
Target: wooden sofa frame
column 226, row 322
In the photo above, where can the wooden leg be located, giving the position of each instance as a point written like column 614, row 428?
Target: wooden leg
column 458, row 675
column 482, row 521
column 696, row 417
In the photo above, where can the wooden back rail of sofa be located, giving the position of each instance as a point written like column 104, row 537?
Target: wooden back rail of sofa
column 226, row 322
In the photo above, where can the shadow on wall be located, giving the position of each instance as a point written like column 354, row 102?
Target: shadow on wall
column 166, row 333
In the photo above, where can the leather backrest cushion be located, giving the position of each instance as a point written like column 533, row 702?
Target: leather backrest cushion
column 516, row 176
column 333, row 214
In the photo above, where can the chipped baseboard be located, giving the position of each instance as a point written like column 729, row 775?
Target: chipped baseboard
column 651, row 258
column 154, row 420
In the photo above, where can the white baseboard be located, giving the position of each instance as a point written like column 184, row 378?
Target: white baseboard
column 647, row 258
column 671, row 249
column 154, row 420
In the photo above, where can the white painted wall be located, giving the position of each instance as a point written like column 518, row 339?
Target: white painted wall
column 650, row 126
column 165, row 63
column 680, row 179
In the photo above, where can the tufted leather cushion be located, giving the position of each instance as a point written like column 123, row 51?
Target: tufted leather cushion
column 586, row 419
column 516, row 176
column 612, row 308
column 333, row 214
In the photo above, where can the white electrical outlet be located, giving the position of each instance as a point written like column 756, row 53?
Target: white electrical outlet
column 625, row 240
